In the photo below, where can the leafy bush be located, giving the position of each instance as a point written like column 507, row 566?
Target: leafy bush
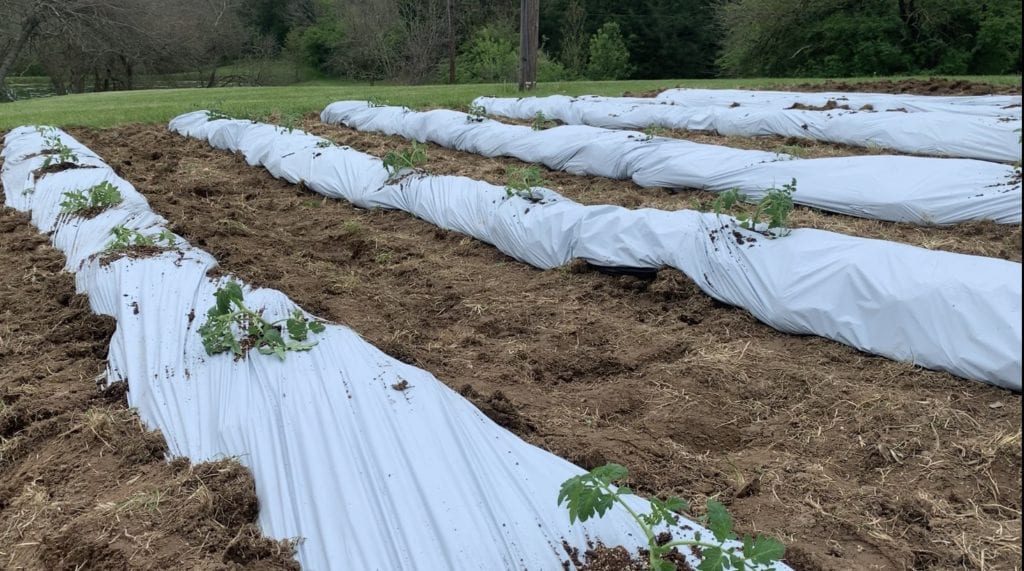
column 491, row 55
column 609, row 56
column 824, row 38
column 316, row 45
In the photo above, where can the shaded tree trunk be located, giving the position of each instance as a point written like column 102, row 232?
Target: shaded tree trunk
column 27, row 30
column 911, row 19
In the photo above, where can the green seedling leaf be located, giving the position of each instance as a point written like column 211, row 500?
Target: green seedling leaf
column 719, row 521
column 763, row 550
column 714, row 559
column 297, row 327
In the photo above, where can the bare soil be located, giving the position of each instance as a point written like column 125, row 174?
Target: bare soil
column 83, row 485
column 854, row 461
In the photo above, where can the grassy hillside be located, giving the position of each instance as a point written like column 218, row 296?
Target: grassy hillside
column 114, row 108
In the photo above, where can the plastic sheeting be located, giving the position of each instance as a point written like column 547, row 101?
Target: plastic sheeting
column 940, row 310
column 938, row 133
column 367, row 476
column 987, row 105
column 897, row 188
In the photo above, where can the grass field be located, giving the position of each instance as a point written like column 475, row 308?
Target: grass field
column 145, row 106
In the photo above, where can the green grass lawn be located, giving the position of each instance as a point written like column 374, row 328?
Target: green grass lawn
column 147, row 106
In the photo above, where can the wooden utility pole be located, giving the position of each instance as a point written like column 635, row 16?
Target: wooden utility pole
column 529, row 40
column 451, row 46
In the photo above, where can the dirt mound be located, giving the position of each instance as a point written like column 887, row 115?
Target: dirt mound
column 828, row 106
column 83, row 485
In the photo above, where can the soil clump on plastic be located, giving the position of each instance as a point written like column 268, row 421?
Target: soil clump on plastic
column 854, row 461
column 829, row 105
column 83, row 485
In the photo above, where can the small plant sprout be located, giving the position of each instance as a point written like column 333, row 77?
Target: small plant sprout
column 100, row 197
column 57, row 153
column 775, row 207
column 214, row 115
column 324, row 144
column 520, row 181
column 652, row 131
column 399, row 163
column 594, row 493
column 289, row 122
column 126, row 238
column 539, row 122
column 727, row 200
column 377, row 102
column 231, row 326
column 476, row 114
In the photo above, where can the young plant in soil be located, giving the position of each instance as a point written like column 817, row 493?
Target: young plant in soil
column 726, row 201
column 540, row 122
column 231, row 326
column 214, row 115
column 775, row 207
column 476, row 114
column 126, row 239
column 288, row 122
column 57, row 153
column 651, row 132
column 98, row 198
column 773, row 210
column 593, row 494
column 398, row 163
column 520, row 181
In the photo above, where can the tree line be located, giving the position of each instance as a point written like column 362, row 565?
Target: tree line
column 106, row 44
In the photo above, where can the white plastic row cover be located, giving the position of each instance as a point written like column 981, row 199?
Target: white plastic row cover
column 940, row 310
column 918, row 190
column 985, row 105
column 366, row 476
column 935, row 133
